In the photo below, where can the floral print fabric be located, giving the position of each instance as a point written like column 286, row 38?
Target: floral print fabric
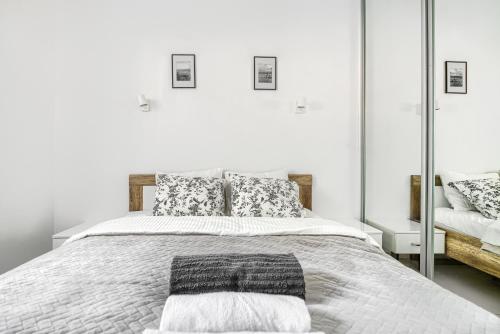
column 188, row 196
column 265, row 197
column 483, row 194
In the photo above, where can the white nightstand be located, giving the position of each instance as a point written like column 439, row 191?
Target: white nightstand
column 370, row 230
column 403, row 236
column 59, row 238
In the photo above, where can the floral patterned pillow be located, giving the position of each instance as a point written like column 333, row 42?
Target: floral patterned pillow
column 484, row 194
column 188, row 196
column 265, row 197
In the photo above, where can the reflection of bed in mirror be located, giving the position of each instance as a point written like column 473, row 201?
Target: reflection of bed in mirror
column 466, row 231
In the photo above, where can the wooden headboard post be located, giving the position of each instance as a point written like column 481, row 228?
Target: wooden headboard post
column 415, row 195
column 136, row 183
column 305, row 188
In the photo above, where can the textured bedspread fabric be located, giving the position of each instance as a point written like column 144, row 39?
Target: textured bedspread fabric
column 119, row 284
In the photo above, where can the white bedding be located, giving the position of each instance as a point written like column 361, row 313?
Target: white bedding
column 471, row 223
column 491, row 238
column 157, row 331
column 119, row 284
column 492, row 234
column 230, row 226
column 467, row 222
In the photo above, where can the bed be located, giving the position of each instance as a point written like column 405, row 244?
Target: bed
column 465, row 232
column 115, row 277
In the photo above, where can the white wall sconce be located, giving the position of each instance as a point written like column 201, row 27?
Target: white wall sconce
column 418, row 107
column 143, row 103
column 301, row 105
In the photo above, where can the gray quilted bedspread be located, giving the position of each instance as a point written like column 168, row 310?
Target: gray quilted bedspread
column 119, row 284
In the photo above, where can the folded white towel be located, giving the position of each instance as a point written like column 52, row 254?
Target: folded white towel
column 235, row 312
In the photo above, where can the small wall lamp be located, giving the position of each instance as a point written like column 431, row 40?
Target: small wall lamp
column 301, row 105
column 143, row 103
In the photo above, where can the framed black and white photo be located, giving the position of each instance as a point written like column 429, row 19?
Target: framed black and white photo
column 456, row 77
column 183, row 71
column 264, row 73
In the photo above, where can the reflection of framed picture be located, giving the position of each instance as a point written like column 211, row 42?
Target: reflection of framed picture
column 264, row 73
column 456, row 77
column 183, row 71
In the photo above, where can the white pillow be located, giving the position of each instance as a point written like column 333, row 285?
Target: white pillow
column 440, row 200
column 214, row 172
column 458, row 201
column 142, row 213
column 310, row 214
column 272, row 174
column 484, row 194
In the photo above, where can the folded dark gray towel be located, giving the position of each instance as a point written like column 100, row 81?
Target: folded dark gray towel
column 261, row 273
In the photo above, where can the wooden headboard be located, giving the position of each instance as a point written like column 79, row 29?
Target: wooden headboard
column 137, row 182
column 415, row 196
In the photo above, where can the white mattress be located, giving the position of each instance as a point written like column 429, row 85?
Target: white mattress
column 491, row 248
column 491, row 239
column 467, row 222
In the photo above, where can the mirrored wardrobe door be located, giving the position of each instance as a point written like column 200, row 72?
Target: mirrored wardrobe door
column 467, row 158
column 393, row 122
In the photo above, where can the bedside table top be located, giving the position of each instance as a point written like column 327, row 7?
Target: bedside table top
column 73, row 230
column 399, row 225
column 353, row 222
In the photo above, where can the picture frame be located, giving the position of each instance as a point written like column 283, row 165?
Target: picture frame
column 265, row 73
column 183, row 70
column 456, row 77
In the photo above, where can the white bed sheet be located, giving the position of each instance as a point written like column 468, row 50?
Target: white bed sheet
column 491, row 238
column 221, row 225
column 471, row 223
column 467, row 222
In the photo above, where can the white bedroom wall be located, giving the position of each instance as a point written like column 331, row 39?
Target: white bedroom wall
column 466, row 135
column 107, row 52
column 26, row 105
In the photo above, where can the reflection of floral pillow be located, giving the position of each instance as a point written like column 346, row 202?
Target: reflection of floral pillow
column 263, row 197
column 188, row 196
column 483, row 194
